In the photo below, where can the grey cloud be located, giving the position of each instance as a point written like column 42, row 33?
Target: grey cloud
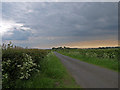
column 18, row 35
column 83, row 20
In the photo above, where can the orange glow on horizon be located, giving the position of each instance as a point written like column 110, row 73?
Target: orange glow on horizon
column 92, row 44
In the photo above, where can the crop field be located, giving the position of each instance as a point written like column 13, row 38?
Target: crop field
column 107, row 58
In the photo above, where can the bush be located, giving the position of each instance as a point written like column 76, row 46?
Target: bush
column 19, row 63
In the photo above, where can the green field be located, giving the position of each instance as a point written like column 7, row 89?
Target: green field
column 36, row 68
column 107, row 58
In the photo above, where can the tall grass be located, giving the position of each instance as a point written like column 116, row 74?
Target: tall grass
column 53, row 75
column 32, row 68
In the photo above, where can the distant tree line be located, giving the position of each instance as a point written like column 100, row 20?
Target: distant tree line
column 107, row 47
column 56, row 48
column 63, row 48
column 104, row 48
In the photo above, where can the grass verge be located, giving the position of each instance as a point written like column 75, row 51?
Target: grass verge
column 53, row 75
column 103, row 62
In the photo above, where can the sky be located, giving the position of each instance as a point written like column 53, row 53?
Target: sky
column 53, row 24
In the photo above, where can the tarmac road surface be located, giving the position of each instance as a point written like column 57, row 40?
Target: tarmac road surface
column 89, row 75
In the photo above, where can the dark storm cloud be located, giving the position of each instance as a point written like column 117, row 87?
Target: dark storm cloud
column 73, row 21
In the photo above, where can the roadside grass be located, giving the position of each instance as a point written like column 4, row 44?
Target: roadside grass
column 53, row 75
column 103, row 62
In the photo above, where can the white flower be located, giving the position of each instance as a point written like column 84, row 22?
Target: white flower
column 18, row 65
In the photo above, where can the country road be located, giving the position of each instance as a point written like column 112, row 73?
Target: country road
column 88, row 75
